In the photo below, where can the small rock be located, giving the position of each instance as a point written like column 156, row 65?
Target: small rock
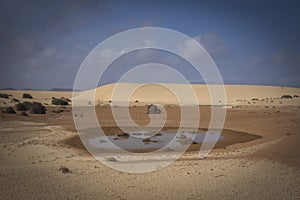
column 64, row 170
column 111, row 159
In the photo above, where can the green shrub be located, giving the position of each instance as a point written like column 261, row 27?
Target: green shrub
column 37, row 108
column 61, row 101
column 27, row 104
column 20, row 107
column 33, row 107
column 286, row 96
column 4, row 96
column 14, row 100
column 9, row 110
column 27, row 96
column 23, row 114
column 67, row 99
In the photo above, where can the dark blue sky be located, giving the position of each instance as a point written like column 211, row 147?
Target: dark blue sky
column 252, row 42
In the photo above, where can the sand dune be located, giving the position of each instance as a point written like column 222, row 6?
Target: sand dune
column 162, row 94
column 236, row 95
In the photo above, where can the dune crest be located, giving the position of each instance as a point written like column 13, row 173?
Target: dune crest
column 162, row 94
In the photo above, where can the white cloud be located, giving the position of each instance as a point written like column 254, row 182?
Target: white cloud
column 214, row 45
column 84, row 48
column 41, row 57
column 28, row 76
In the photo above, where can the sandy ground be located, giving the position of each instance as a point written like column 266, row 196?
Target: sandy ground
column 32, row 152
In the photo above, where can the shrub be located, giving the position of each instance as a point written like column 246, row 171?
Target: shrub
column 60, row 101
column 4, row 96
column 23, row 114
column 27, row 96
column 286, row 96
column 37, row 108
column 296, row 96
column 255, row 99
column 9, row 110
column 58, row 111
column 20, row 107
column 33, row 107
column 67, row 99
column 27, row 104
column 14, row 100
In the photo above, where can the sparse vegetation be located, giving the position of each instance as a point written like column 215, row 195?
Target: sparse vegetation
column 27, row 96
column 58, row 111
column 255, row 99
column 14, row 100
column 67, row 99
column 286, row 96
column 23, row 114
column 37, row 108
column 32, row 107
column 4, row 96
column 20, row 107
column 61, row 101
column 27, row 104
column 9, row 110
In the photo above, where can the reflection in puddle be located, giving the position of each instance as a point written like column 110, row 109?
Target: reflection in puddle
column 150, row 140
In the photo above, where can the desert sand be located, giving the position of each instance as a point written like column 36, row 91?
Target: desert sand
column 34, row 148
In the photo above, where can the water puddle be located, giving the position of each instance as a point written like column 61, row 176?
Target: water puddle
column 148, row 140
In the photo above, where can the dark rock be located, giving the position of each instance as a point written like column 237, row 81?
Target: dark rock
column 64, row 170
column 153, row 109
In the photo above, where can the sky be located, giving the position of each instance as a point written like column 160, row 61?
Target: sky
column 43, row 43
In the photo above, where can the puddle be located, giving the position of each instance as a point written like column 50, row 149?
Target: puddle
column 148, row 140
column 144, row 140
